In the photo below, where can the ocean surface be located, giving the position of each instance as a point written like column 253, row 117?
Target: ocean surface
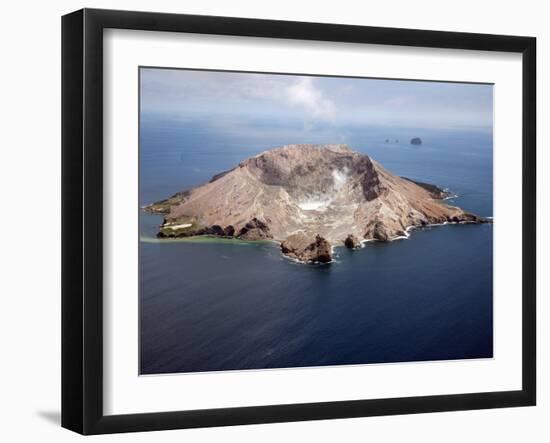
column 227, row 305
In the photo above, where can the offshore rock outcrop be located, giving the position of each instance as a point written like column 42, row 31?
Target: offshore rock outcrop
column 307, row 248
column 352, row 242
column 307, row 198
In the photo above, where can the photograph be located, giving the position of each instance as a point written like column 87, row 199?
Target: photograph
column 297, row 220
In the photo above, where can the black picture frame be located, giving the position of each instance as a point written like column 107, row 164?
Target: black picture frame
column 82, row 218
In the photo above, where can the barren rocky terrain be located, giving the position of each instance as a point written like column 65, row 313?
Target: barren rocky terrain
column 307, row 198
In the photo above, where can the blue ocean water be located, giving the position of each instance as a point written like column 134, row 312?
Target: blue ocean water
column 227, row 306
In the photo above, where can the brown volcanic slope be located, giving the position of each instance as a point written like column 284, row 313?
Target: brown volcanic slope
column 306, row 197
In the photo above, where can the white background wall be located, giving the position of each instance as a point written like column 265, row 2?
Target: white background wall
column 30, row 223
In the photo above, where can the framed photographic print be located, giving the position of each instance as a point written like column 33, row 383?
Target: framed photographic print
column 269, row 221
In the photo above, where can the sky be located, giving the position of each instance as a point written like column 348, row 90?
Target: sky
column 313, row 101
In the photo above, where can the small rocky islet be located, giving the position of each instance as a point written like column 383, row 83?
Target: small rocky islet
column 307, row 198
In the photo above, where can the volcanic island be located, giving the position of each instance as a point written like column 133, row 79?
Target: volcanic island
column 307, row 198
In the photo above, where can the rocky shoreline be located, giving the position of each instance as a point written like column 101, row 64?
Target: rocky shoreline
column 308, row 249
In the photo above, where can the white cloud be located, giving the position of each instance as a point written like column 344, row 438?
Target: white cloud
column 401, row 100
column 315, row 102
column 191, row 91
column 303, row 93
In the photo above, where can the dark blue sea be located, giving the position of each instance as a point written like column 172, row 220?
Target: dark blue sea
column 232, row 306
